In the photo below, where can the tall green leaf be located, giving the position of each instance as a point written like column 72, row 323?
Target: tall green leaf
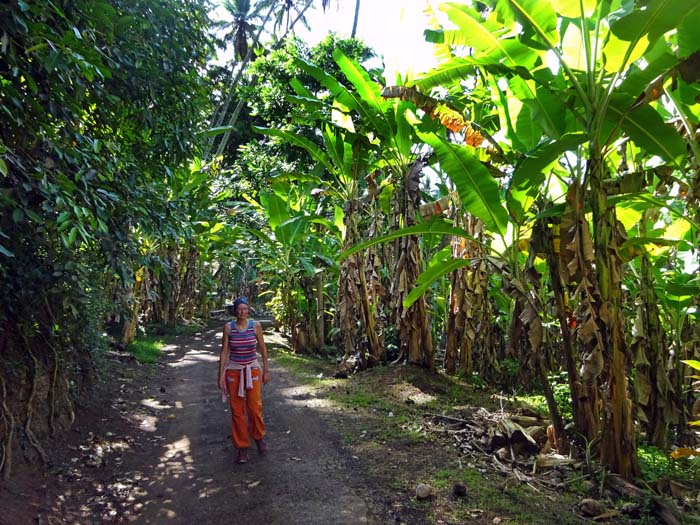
column 477, row 189
column 431, row 275
column 373, row 106
column 648, row 130
column 431, row 227
column 311, row 147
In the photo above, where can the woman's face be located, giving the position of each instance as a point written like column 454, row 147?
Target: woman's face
column 242, row 311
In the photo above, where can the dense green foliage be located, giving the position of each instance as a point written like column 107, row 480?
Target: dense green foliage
column 528, row 209
column 101, row 105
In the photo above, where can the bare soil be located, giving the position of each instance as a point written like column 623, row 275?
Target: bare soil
column 153, row 445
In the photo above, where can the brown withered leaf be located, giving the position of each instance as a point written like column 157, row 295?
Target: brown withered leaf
column 689, row 68
column 587, row 331
column 587, row 242
column 450, row 118
column 604, row 313
column 534, row 333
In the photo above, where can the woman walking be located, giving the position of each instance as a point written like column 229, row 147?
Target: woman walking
column 240, row 377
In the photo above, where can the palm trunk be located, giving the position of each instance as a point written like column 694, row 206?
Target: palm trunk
column 239, row 106
column 355, row 18
column 220, row 115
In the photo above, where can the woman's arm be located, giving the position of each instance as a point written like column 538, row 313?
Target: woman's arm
column 263, row 351
column 223, row 358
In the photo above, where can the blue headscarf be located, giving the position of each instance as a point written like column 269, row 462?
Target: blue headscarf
column 237, row 302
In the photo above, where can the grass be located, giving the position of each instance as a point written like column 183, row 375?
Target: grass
column 312, row 371
column 306, row 370
column 509, row 500
column 656, row 465
column 391, row 405
column 146, row 349
column 386, row 425
column 360, row 400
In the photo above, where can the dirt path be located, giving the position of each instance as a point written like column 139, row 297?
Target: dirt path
column 163, row 454
column 303, row 479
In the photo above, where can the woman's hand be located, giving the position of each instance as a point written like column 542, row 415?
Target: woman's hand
column 266, row 377
column 222, row 383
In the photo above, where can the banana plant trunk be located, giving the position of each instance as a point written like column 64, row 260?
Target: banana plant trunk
column 134, row 297
column 469, row 317
column 188, row 289
column 353, row 301
column 454, row 346
column 581, row 404
column 290, row 316
column 654, row 392
column 369, row 318
column 618, row 448
column 413, row 323
column 132, row 321
column 320, row 308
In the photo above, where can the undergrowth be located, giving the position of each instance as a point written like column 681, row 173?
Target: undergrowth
column 657, row 465
column 148, row 345
column 393, row 402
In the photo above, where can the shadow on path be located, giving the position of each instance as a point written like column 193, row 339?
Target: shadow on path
column 181, row 468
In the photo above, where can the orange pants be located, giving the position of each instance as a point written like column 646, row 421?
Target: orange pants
column 246, row 413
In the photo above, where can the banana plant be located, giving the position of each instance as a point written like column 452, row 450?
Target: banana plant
column 299, row 247
column 343, row 159
column 685, row 452
column 582, row 86
column 371, row 136
column 400, row 156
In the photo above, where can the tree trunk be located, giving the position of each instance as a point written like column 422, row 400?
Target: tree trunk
column 220, row 114
column 619, row 440
column 415, row 335
column 585, row 419
column 654, row 392
column 234, row 118
column 320, row 308
column 355, row 18
column 348, row 294
column 560, row 438
column 354, row 306
column 368, row 317
column 290, row 314
column 455, row 321
column 134, row 297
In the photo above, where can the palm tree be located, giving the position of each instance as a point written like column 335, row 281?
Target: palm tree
column 300, row 8
column 354, row 20
column 242, row 26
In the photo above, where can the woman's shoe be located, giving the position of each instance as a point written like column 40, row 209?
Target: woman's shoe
column 242, row 456
column 262, row 446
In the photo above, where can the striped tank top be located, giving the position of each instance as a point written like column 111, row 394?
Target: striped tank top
column 242, row 345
